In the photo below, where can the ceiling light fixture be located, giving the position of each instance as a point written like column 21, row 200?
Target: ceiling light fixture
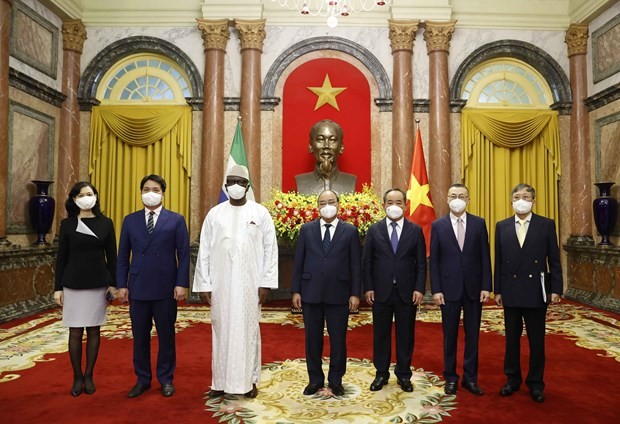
column 332, row 9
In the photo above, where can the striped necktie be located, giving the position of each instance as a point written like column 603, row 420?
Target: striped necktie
column 150, row 224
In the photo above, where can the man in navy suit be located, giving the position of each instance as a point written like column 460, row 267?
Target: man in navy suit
column 394, row 272
column 155, row 279
column 527, row 268
column 460, row 279
column 326, row 281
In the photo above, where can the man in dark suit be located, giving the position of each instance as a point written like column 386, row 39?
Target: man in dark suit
column 527, row 267
column 394, row 272
column 155, row 279
column 327, row 283
column 460, row 279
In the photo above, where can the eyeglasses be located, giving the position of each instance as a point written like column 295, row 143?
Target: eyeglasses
column 240, row 181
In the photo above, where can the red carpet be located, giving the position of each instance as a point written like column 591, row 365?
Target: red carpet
column 581, row 374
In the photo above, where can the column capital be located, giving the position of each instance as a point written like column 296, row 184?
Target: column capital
column 73, row 35
column 251, row 33
column 402, row 34
column 438, row 34
column 577, row 39
column 215, row 33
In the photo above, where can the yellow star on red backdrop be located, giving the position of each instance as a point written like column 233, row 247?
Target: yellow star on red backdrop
column 326, row 94
column 417, row 194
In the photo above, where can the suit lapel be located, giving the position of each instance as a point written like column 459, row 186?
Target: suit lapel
column 337, row 234
column 405, row 235
column 385, row 234
column 521, row 251
column 161, row 221
column 446, row 221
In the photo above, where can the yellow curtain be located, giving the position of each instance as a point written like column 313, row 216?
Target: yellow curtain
column 130, row 142
column 501, row 149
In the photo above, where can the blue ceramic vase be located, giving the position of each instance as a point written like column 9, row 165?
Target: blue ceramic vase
column 42, row 207
column 605, row 210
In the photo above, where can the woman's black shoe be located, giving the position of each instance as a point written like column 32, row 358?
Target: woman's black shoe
column 89, row 385
column 77, row 388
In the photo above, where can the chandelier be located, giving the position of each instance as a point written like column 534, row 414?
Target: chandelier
column 332, row 9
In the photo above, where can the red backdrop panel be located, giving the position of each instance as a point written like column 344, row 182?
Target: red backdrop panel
column 299, row 116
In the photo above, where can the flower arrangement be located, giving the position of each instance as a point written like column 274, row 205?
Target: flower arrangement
column 291, row 210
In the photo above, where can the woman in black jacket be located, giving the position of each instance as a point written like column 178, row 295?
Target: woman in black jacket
column 85, row 277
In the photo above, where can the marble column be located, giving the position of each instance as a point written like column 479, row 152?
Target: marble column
column 580, row 179
column 215, row 36
column 5, row 37
column 73, row 36
column 437, row 36
column 251, row 37
column 402, row 36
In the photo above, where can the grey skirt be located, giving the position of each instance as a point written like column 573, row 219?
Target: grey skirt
column 84, row 308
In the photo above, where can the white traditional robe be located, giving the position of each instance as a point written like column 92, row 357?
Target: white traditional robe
column 238, row 254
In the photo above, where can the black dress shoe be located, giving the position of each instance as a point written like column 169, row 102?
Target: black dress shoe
column 378, row 383
column 77, row 388
column 405, row 385
column 537, row 395
column 252, row 393
column 89, row 385
column 216, row 393
column 137, row 390
column 507, row 390
column 450, row 388
column 337, row 389
column 473, row 388
column 167, row 390
column 312, row 389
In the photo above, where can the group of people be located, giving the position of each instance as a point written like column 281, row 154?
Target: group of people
column 237, row 264
column 331, row 269
column 151, row 271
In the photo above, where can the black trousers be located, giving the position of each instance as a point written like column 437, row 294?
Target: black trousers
column 337, row 319
column 534, row 319
column 450, row 319
column 142, row 314
column 403, row 315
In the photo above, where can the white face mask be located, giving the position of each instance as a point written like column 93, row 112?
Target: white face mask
column 151, row 198
column 394, row 212
column 236, row 191
column 522, row 206
column 328, row 211
column 86, row 203
column 457, row 205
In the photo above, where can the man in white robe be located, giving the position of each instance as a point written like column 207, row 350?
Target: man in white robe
column 237, row 265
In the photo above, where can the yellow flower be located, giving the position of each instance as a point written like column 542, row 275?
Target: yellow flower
column 291, row 210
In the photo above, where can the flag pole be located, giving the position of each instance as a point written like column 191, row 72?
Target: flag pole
column 417, row 123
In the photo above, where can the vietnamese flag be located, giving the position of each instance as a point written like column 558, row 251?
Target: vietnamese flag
column 420, row 207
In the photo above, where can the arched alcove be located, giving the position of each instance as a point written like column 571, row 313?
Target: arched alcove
column 91, row 78
column 528, row 53
column 327, row 43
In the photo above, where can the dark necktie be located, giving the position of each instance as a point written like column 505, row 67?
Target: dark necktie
column 327, row 238
column 150, row 224
column 394, row 237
